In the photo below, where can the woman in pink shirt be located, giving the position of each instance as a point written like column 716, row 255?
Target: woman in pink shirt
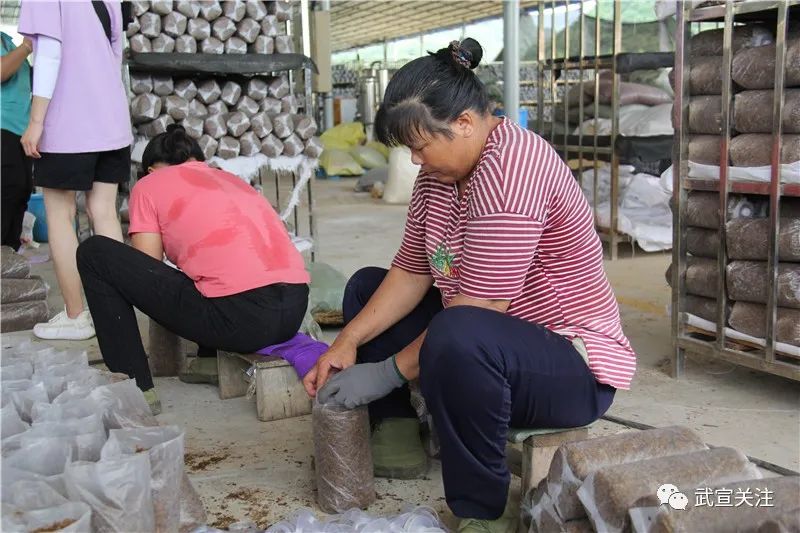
column 241, row 284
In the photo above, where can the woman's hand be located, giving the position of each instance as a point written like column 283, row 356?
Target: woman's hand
column 341, row 355
column 31, row 138
column 28, row 45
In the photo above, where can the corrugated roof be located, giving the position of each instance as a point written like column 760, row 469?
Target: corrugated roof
column 357, row 23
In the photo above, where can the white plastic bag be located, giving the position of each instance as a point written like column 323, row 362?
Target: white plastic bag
column 24, row 399
column 125, row 406
column 67, row 517
column 44, row 360
column 86, row 435
column 46, row 457
column 402, row 173
column 12, row 475
column 118, row 492
column 11, row 424
column 54, row 412
column 32, row 494
column 18, row 370
column 164, row 445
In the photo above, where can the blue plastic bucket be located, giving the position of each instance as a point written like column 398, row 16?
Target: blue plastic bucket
column 36, row 207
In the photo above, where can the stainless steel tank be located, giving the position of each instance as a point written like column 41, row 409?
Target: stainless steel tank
column 368, row 103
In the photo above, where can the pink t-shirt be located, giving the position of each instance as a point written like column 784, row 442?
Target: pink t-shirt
column 217, row 229
column 522, row 231
column 89, row 109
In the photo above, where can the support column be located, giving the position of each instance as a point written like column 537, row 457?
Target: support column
column 511, row 59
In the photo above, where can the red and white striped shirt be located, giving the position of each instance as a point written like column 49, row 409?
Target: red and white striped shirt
column 522, row 231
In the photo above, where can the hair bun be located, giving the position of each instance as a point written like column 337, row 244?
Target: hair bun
column 474, row 51
column 175, row 127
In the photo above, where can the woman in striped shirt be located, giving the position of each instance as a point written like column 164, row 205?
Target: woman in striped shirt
column 497, row 299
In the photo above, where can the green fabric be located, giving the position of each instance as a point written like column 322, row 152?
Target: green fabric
column 153, row 401
column 504, row 524
column 397, row 450
column 517, row 435
column 15, row 93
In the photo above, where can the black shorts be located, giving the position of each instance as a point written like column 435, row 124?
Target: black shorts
column 78, row 172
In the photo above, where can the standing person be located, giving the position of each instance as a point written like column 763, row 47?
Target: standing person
column 242, row 285
column 521, row 329
column 15, row 94
column 79, row 134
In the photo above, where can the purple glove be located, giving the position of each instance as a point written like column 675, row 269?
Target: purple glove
column 301, row 351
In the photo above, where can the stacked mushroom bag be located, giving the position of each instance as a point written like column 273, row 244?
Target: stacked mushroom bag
column 24, row 297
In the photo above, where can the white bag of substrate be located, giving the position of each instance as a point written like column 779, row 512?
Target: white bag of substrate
column 235, row 45
column 231, row 92
column 367, row 157
column 249, row 144
column 234, row 9
column 163, row 44
column 417, row 520
column 289, row 104
column 293, row 145
column 68, row 517
column 150, row 24
column 174, row 24
column 32, row 494
column 140, row 7
column 188, row 8
column 402, row 173
column 118, row 492
column 10, row 422
column 279, row 87
column 261, row 125
column 24, row 399
column 186, row 44
column 218, row 108
column 271, row 106
column 223, row 28
column 86, row 435
column 157, row 126
column 262, row 45
column 197, row 109
column 45, row 457
column 164, row 445
column 193, row 127
column 282, row 10
column 314, row 148
column 124, row 404
column 247, row 105
column 185, row 89
column 248, row 29
column 162, row 7
column 210, row 9
column 145, row 107
column 283, row 125
column 257, row 89
column 209, row 145
column 163, row 85
column 56, row 412
column 212, row 45
column 228, row 148
column 256, row 10
column 271, row 146
column 200, row 29
column 237, row 123
column 21, row 370
column 141, row 84
column 214, row 126
column 269, row 26
column 305, row 127
column 176, row 107
column 284, row 44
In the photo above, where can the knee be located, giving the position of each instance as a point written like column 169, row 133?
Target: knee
column 359, row 289
column 450, row 342
column 101, row 210
column 90, row 249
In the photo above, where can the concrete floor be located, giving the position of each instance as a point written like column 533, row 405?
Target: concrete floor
column 244, row 468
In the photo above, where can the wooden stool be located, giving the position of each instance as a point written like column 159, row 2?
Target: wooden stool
column 538, row 448
column 279, row 392
column 166, row 352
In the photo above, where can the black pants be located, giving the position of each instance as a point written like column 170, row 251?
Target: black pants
column 17, row 185
column 481, row 372
column 116, row 278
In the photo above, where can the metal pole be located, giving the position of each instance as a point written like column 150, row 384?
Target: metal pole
column 327, row 98
column 511, row 58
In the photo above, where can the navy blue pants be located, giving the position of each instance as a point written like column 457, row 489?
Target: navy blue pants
column 481, row 372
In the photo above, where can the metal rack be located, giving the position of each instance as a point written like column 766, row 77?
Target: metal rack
column 553, row 84
column 238, row 66
column 765, row 359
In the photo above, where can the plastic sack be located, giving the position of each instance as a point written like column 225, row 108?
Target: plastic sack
column 67, row 517
column 610, row 492
column 326, row 290
column 271, row 106
column 379, row 146
column 185, row 89
column 755, row 150
column 197, row 109
column 157, row 126
column 20, row 370
column 57, row 412
column 32, row 494
column 234, row 9
column 24, row 399
column 281, row 9
column 185, row 44
column 284, row 44
column 140, row 44
column 228, row 148
column 46, row 457
column 247, row 105
column 751, row 319
column 249, row 144
column 343, row 458
column 212, row 45
column 10, row 422
column 188, row 8
column 139, row 7
column 162, row 7
column 783, row 510
column 351, row 133
column 261, row 124
column 368, row 158
column 118, row 492
column 14, row 265
column 269, row 26
column 210, row 9
column 705, row 114
column 223, row 28
column 150, row 24
column 282, row 125
column 305, row 126
column 200, row 29
column 163, row 44
column 313, row 148
column 218, row 108
column 193, row 127
column 145, row 107
column 279, row 87
column 174, row 24
column 133, row 27
column 164, row 445
column 339, row 163
column 237, row 123
column 747, row 281
column 141, row 83
column 248, row 29
column 45, row 360
column 208, row 145
column 573, row 462
column 754, row 68
column 702, row 208
column 748, row 238
column 752, row 111
column 176, row 107
column 271, row 146
column 124, row 404
column 402, row 174
column 411, row 520
column 709, row 42
column 214, row 126
column 192, row 511
column 86, row 435
column 257, row 89
column 289, row 104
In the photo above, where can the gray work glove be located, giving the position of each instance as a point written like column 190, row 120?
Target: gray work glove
column 361, row 384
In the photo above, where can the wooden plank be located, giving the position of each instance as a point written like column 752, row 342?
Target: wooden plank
column 280, row 393
column 231, row 369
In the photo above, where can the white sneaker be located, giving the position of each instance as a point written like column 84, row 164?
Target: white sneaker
column 62, row 327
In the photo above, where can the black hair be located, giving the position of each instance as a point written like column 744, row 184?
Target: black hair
column 428, row 93
column 172, row 147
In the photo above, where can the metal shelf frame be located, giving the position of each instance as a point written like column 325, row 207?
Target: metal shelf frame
column 766, row 359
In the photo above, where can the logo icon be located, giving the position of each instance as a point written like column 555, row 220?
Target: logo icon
column 670, row 495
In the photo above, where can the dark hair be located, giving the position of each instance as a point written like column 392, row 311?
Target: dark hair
column 428, row 93
column 172, row 147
